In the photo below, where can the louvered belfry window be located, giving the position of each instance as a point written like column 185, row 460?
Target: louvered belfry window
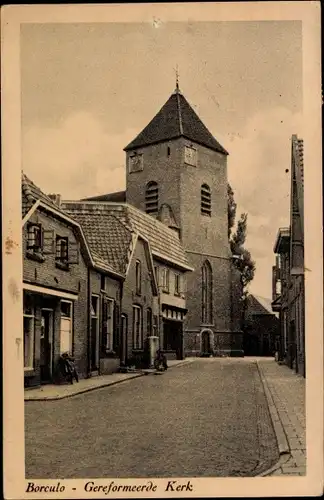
column 205, row 206
column 152, row 198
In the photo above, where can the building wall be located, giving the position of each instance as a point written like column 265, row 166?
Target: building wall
column 260, row 334
column 145, row 300
column 74, row 280
column 292, row 312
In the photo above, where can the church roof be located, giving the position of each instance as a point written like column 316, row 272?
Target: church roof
column 119, row 196
column 176, row 119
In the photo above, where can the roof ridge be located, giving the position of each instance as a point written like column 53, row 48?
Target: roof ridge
column 126, row 205
column 179, row 113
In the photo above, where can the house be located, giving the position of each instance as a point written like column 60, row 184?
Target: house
column 288, row 272
column 176, row 172
column 62, row 285
column 261, row 327
column 153, row 294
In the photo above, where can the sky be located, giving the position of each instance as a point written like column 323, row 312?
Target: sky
column 88, row 89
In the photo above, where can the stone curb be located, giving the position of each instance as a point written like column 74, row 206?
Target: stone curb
column 282, row 441
column 86, row 389
column 104, row 384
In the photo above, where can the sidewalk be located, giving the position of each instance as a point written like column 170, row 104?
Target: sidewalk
column 52, row 392
column 285, row 391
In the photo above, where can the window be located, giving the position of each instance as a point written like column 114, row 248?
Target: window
column 62, row 249
column 169, row 150
column 165, row 279
column 177, row 284
column 191, row 156
column 135, row 162
column 205, row 206
column 155, row 325
column 149, row 322
column 156, row 272
column 137, row 328
column 34, row 238
column 107, row 324
column 29, row 326
column 152, row 198
column 207, row 294
column 66, row 327
column 138, row 277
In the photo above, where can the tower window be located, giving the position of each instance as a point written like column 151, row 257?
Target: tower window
column 152, row 198
column 205, row 206
column 207, row 293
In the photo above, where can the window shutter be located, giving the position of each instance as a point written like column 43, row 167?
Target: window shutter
column 104, row 324
column 48, row 242
column 116, row 330
column 73, row 253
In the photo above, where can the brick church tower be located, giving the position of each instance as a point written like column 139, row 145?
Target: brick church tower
column 177, row 172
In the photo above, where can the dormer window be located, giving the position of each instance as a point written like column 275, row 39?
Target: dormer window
column 191, row 156
column 135, row 162
column 34, row 238
column 62, row 249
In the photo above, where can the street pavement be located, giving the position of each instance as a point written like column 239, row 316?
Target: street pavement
column 206, row 418
column 287, row 392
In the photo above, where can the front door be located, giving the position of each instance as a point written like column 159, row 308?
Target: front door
column 46, row 345
column 205, row 343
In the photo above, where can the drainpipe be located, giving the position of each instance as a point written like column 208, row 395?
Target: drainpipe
column 123, row 338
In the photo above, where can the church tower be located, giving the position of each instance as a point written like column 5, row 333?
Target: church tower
column 177, row 172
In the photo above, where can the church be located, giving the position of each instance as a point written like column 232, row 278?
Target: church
column 176, row 171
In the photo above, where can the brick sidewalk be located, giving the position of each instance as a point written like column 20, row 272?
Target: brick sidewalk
column 286, row 396
column 52, row 392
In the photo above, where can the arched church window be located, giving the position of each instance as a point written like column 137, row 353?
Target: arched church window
column 207, row 293
column 152, row 198
column 205, row 204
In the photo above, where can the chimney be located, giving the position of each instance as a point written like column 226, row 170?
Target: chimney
column 56, row 198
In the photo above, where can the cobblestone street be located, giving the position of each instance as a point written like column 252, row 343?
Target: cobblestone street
column 205, row 418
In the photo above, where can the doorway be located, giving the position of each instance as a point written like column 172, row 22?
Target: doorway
column 46, row 346
column 206, row 343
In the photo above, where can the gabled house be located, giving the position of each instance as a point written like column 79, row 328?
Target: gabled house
column 153, row 296
column 62, row 282
column 288, row 273
column 261, row 327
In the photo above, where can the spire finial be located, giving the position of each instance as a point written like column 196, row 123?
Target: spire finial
column 177, row 78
